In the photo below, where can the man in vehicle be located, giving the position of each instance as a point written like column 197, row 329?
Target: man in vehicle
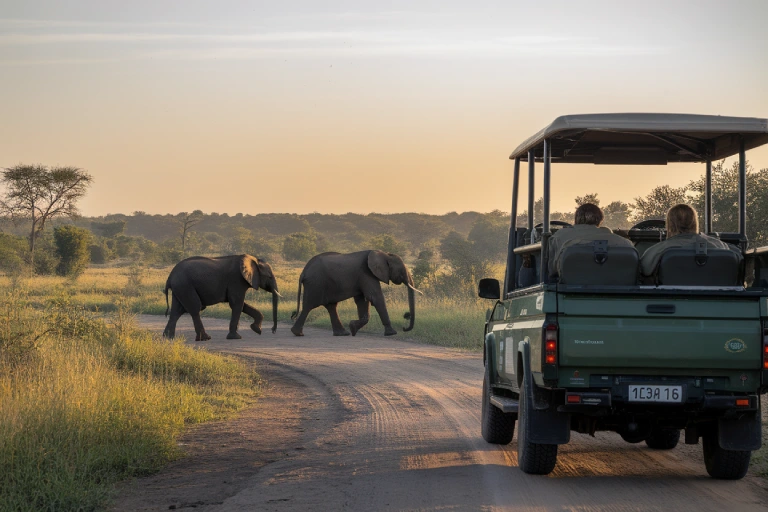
column 682, row 232
column 586, row 228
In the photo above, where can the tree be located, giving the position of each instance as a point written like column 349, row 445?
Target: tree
column 656, row 204
column 388, row 243
column 72, row 248
column 616, row 215
column 460, row 253
column 725, row 207
column 186, row 222
column 489, row 236
column 39, row 194
column 589, row 198
column 108, row 229
column 299, row 246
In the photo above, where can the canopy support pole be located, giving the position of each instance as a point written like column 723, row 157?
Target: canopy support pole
column 708, row 198
column 531, row 198
column 545, row 232
column 742, row 190
column 509, row 277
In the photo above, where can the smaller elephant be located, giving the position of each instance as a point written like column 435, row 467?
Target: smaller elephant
column 198, row 282
column 331, row 277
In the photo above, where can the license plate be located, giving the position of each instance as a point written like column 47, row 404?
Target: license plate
column 653, row 393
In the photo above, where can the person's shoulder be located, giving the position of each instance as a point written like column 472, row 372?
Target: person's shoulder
column 713, row 241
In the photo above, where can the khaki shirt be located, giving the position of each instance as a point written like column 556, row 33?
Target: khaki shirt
column 579, row 233
column 651, row 257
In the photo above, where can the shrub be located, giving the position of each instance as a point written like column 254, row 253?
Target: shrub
column 388, row 243
column 72, row 248
column 299, row 246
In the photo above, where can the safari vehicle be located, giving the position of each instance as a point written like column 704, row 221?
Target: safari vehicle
column 598, row 350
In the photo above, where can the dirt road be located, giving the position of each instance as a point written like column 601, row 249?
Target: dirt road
column 374, row 423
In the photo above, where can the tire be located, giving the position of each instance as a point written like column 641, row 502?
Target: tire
column 497, row 427
column 663, row 439
column 724, row 464
column 533, row 458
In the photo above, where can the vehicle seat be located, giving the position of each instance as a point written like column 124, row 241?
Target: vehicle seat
column 597, row 263
column 732, row 238
column 645, row 238
column 700, row 266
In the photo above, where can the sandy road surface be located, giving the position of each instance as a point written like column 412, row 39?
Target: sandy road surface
column 374, row 423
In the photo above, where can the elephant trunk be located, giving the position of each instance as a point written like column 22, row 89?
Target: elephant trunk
column 275, row 299
column 411, row 304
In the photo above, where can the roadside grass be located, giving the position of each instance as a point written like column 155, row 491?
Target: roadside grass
column 121, row 395
column 88, row 400
column 446, row 321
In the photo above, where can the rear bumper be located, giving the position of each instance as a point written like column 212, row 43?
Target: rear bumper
column 603, row 402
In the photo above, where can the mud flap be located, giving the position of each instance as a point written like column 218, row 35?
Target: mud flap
column 743, row 433
column 545, row 424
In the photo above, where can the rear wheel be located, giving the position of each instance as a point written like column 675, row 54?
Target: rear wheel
column 663, row 439
column 497, row 427
column 721, row 463
column 533, row 458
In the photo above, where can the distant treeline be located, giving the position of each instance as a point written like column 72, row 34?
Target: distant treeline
column 464, row 245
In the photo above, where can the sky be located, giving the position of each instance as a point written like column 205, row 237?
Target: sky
column 333, row 107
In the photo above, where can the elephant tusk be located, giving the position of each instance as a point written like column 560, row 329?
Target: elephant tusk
column 414, row 289
column 278, row 294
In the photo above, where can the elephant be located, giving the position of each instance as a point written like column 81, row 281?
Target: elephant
column 198, row 282
column 331, row 277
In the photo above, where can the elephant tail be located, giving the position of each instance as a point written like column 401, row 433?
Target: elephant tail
column 167, row 307
column 298, row 299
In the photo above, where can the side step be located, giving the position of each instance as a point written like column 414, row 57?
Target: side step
column 505, row 403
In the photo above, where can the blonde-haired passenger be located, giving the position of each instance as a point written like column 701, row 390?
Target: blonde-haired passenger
column 682, row 231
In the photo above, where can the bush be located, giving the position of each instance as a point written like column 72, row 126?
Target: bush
column 46, row 257
column 388, row 243
column 100, row 253
column 13, row 249
column 299, row 246
column 72, row 249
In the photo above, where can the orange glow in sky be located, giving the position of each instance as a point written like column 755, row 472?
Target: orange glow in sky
column 352, row 106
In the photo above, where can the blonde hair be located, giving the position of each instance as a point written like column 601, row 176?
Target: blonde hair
column 682, row 219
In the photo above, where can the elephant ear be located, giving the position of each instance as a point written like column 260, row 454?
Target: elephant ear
column 377, row 262
column 264, row 269
column 249, row 267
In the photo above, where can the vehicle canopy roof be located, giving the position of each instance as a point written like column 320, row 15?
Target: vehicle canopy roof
column 650, row 139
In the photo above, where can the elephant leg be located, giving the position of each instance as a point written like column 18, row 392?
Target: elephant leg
column 194, row 306
column 236, row 304
column 363, row 308
column 176, row 311
column 381, row 308
column 338, row 327
column 256, row 315
column 298, row 325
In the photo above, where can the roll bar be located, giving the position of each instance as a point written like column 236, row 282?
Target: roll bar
column 509, row 278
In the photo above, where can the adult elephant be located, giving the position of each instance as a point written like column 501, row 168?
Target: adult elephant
column 198, row 282
column 331, row 277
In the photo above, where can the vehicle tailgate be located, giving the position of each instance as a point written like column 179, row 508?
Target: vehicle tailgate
column 722, row 333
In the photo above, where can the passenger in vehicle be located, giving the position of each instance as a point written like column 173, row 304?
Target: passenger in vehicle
column 586, row 228
column 682, row 232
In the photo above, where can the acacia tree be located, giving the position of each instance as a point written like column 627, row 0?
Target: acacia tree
column 186, row 222
column 39, row 194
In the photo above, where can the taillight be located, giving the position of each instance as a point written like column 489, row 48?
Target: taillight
column 550, row 344
column 765, row 349
column 742, row 402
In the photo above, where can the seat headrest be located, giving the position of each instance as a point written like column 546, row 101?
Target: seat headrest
column 598, row 263
column 700, row 266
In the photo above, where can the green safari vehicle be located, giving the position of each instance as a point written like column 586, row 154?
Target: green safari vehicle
column 601, row 350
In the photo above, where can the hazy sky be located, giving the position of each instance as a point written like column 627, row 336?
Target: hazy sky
column 355, row 106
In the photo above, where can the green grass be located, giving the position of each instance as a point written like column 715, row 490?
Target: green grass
column 87, row 401
column 454, row 321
